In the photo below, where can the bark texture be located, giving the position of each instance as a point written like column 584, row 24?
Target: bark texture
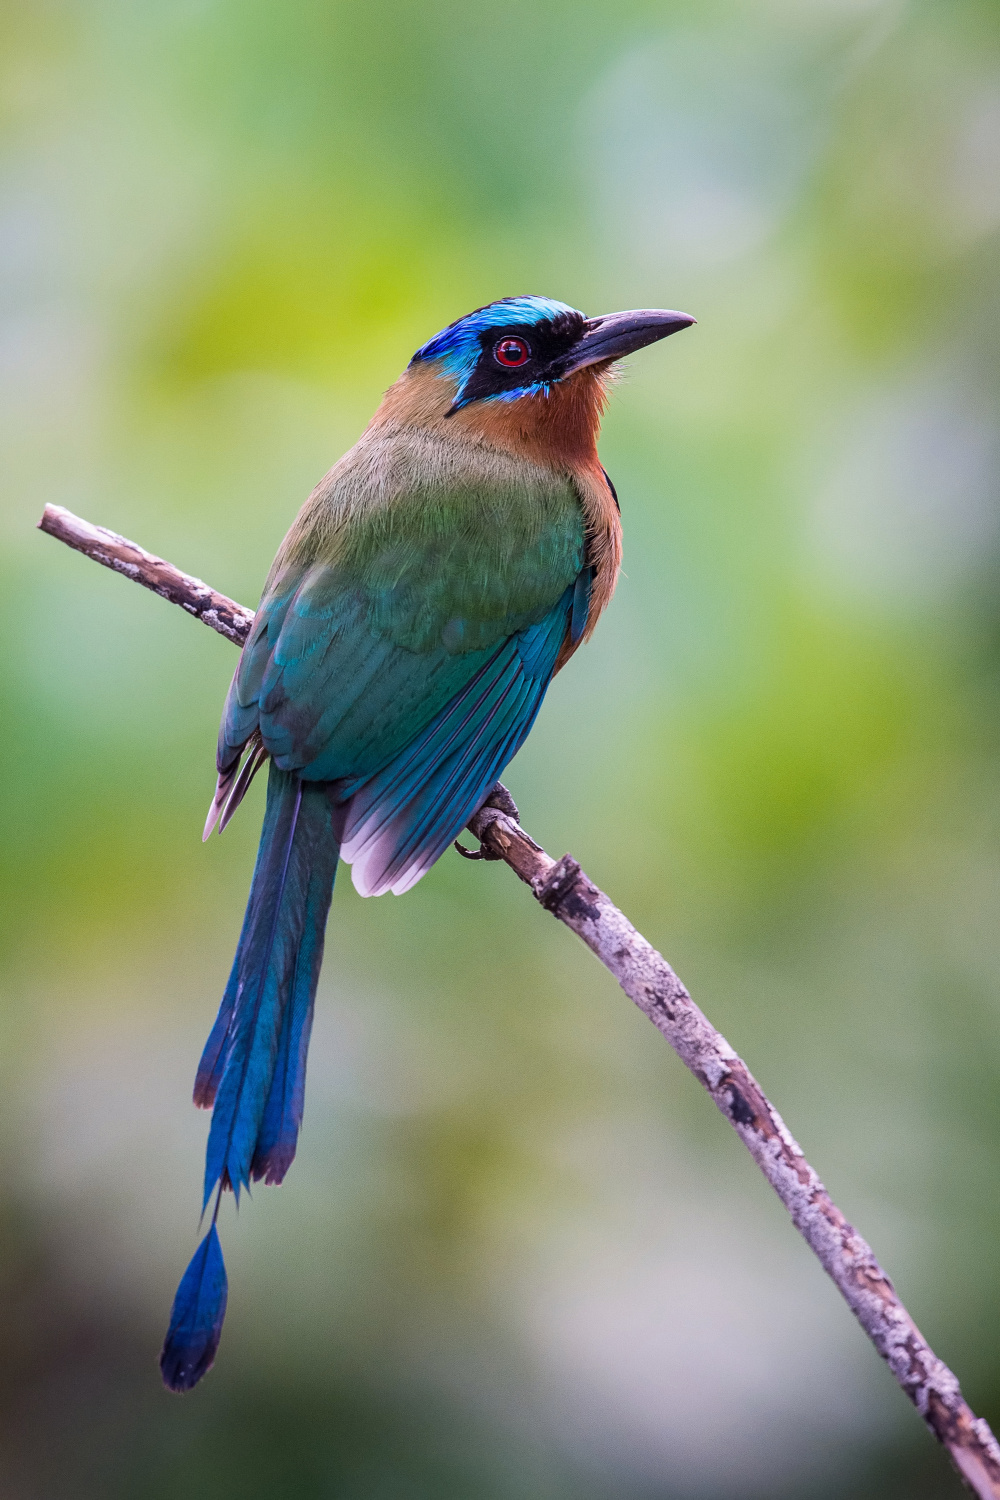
column 115, row 552
column 565, row 890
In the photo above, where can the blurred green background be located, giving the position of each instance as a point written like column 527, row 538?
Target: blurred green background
column 520, row 1256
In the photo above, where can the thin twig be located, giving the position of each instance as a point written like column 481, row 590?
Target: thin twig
column 122, row 556
column 648, row 980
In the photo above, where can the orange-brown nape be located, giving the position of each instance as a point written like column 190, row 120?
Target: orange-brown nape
column 558, row 427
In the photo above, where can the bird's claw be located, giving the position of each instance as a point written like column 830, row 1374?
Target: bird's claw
column 500, row 798
column 479, row 853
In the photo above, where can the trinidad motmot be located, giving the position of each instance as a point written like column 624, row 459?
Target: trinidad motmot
column 429, row 590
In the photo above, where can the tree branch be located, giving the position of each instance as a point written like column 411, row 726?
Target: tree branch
column 648, row 980
column 116, row 552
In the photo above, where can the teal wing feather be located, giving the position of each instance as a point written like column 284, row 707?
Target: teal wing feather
column 402, row 819
column 406, row 657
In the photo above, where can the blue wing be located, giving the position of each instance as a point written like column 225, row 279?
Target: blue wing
column 408, row 679
column 402, row 819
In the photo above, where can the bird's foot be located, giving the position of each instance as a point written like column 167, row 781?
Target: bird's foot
column 500, row 798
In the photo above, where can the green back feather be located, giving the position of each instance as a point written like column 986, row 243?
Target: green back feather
column 412, row 561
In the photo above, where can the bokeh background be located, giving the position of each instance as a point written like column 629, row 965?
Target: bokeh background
column 519, row 1256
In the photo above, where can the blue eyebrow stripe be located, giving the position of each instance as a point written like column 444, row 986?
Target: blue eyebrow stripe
column 463, row 335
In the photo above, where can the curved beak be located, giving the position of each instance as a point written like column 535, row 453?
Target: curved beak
column 618, row 334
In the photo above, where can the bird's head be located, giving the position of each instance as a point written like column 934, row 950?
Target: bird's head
column 525, row 369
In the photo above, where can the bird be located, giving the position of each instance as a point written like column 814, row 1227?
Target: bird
column 433, row 584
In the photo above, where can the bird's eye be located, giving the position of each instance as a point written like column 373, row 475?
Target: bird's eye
column 511, row 352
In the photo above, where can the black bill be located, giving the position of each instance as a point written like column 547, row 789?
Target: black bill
column 618, row 334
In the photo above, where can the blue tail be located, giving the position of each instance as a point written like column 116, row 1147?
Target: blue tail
column 196, row 1317
column 252, row 1072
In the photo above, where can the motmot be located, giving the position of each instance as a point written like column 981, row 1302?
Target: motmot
column 433, row 584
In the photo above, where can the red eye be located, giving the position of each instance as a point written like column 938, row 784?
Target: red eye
column 511, row 352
